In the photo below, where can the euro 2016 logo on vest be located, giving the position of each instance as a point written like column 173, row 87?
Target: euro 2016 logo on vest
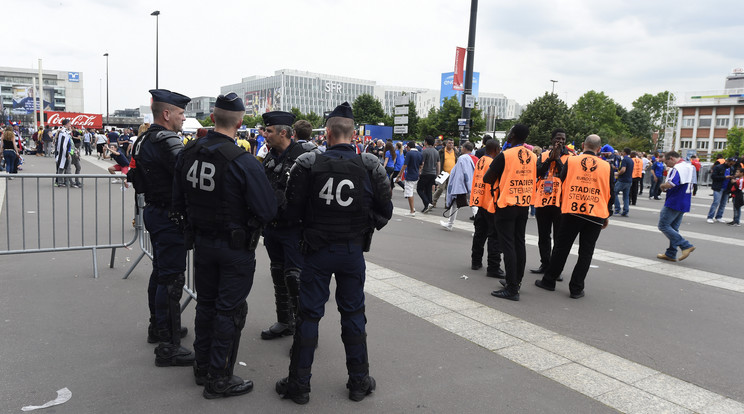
column 587, row 160
column 524, row 156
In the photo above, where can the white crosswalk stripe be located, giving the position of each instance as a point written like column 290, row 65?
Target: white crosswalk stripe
column 649, row 265
column 617, row 382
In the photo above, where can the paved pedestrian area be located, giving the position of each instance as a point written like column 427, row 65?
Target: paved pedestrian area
column 648, row 337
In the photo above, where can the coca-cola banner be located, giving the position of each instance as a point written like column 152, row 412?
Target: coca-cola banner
column 78, row 120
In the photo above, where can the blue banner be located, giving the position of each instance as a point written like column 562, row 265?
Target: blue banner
column 446, row 90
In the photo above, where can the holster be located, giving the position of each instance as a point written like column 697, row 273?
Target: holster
column 367, row 241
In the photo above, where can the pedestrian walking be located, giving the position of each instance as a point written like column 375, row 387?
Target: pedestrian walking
column 678, row 188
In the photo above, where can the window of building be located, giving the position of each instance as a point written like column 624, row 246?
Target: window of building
column 719, row 145
column 739, row 122
column 702, row 145
column 685, row 144
column 704, row 122
column 722, row 122
column 688, row 122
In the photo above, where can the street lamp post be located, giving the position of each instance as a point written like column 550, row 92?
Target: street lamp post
column 107, row 90
column 156, row 13
column 554, row 81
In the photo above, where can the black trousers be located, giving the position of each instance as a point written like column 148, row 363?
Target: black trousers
column 588, row 232
column 634, row 190
column 424, row 187
column 485, row 230
column 510, row 225
column 548, row 219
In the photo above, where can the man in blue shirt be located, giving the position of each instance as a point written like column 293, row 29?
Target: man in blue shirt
column 658, row 169
column 678, row 186
column 624, row 181
column 412, row 169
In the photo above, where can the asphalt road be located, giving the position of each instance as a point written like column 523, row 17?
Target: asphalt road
column 649, row 336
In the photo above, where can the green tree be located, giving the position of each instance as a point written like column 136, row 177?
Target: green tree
column 656, row 108
column 596, row 113
column 478, row 124
column 368, row 110
column 448, row 115
column 430, row 124
column 252, row 121
column 542, row 116
column 734, row 142
column 206, row 122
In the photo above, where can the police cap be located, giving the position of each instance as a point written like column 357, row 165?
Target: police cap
column 343, row 111
column 230, row 102
column 278, row 118
column 173, row 98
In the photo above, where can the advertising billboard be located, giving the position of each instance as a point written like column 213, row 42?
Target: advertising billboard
column 77, row 120
column 259, row 102
column 446, row 89
column 24, row 96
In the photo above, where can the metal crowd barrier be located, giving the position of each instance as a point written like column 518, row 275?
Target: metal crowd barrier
column 41, row 217
column 146, row 245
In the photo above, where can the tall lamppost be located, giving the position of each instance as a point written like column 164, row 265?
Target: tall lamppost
column 107, row 90
column 554, row 81
column 156, row 13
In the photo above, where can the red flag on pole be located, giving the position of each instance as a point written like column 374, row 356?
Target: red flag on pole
column 457, row 82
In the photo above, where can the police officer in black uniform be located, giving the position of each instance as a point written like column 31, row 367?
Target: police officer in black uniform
column 282, row 236
column 222, row 194
column 341, row 198
column 155, row 157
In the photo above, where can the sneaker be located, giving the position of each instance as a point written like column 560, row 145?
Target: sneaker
column 720, row 220
column 410, row 214
column 733, row 223
column 446, row 224
column 428, row 208
column 711, row 221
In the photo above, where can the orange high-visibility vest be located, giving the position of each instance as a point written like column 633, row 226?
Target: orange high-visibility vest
column 517, row 183
column 586, row 189
column 480, row 193
column 637, row 168
column 548, row 188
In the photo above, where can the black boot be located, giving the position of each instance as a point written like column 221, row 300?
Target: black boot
column 294, row 390
column 173, row 355
column 226, row 386
column 283, row 326
column 200, row 374
column 360, row 388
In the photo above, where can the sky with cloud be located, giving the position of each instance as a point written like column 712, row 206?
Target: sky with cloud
column 624, row 48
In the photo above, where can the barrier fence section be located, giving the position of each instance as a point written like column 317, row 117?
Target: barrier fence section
column 146, row 245
column 42, row 217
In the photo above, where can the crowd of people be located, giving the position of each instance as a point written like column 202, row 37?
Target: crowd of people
column 317, row 203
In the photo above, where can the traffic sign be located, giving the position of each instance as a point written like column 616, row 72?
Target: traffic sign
column 401, row 100
column 400, row 129
column 401, row 120
column 401, row 110
column 462, row 121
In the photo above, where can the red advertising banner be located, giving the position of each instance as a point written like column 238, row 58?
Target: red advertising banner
column 457, row 83
column 79, row 120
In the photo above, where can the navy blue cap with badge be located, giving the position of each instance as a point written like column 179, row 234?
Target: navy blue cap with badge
column 173, row 98
column 230, row 102
column 342, row 111
column 278, row 118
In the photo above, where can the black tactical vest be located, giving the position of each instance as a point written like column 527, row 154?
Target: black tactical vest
column 203, row 182
column 339, row 208
column 278, row 174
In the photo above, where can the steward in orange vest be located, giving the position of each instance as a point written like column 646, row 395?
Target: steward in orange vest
column 586, row 204
column 480, row 196
column 513, row 173
column 637, row 176
column 547, row 198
